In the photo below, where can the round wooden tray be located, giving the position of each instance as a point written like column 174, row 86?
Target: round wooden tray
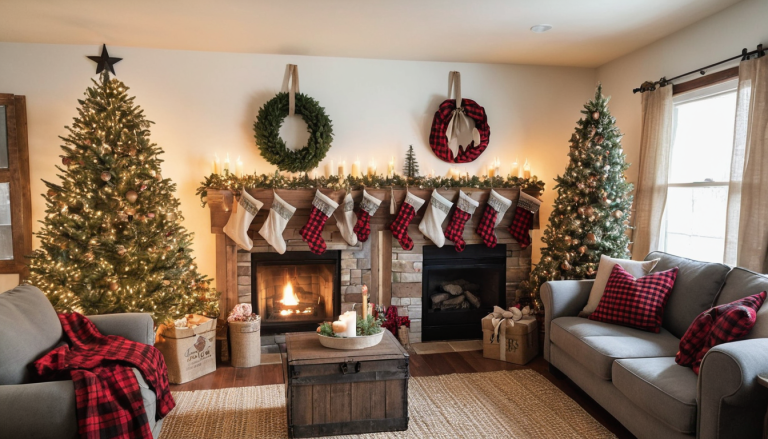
column 348, row 343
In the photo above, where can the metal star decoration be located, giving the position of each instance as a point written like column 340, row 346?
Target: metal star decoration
column 104, row 60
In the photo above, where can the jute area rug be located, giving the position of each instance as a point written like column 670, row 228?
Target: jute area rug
column 519, row 404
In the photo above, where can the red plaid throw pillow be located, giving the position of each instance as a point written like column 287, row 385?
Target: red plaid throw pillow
column 637, row 303
column 721, row 324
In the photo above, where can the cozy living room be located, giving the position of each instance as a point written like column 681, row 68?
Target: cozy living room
column 492, row 219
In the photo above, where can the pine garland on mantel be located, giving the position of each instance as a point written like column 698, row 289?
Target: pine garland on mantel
column 233, row 183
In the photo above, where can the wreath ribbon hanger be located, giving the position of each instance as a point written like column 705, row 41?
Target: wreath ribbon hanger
column 458, row 118
column 291, row 86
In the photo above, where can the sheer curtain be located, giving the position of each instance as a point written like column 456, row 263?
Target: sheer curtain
column 655, row 146
column 746, row 232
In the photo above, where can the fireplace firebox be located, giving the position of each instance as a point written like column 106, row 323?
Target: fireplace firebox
column 459, row 289
column 295, row 291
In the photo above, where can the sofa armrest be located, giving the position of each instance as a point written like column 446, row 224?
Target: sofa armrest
column 38, row 410
column 562, row 298
column 732, row 403
column 137, row 327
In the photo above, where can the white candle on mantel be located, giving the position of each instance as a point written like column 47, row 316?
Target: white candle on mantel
column 356, row 168
column 329, row 169
column 497, row 167
column 226, row 164
column 314, row 174
column 372, row 168
column 342, row 169
column 216, row 164
column 526, row 169
column 490, row 171
column 391, row 168
column 239, row 167
column 515, row 169
column 432, row 173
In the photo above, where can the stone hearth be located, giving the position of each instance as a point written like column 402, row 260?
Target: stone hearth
column 393, row 275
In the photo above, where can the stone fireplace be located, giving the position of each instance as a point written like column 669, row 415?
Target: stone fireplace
column 393, row 276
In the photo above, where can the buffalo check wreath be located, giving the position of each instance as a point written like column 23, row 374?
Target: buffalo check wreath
column 721, row 324
column 636, row 303
column 311, row 233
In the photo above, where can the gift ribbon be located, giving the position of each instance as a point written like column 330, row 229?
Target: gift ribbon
column 458, row 118
column 291, row 86
column 501, row 336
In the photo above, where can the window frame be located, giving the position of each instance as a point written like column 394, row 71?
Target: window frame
column 17, row 176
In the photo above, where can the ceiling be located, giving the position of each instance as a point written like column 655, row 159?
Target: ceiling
column 587, row 33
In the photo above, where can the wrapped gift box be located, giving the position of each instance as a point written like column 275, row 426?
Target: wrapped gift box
column 189, row 352
column 514, row 342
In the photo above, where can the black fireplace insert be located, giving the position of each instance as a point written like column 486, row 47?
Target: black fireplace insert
column 459, row 289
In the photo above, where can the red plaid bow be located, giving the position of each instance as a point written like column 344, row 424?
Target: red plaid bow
column 107, row 394
column 439, row 141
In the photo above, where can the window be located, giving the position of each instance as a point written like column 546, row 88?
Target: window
column 700, row 167
column 15, row 202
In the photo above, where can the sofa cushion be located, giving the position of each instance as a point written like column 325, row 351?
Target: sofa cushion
column 29, row 328
column 695, row 289
column 661, row 388
column 741, row 283
column 596, row 344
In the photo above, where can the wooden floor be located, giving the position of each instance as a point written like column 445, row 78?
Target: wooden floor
column 420, row 365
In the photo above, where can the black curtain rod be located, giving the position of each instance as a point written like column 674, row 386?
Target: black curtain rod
column 663, row 82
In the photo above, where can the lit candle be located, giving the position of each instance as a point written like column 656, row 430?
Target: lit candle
column 226, row 165
column 432, row 173
column 314, row 174
column 454, row 173
column 526, row 169
column 342, row 171
column 328, row 169
column 496, row 165
column 372, row 168
column 239, row 167
column 515, row 169
column 216, row 164
column 356, row 168
column 490, row 171
column 365, row 302
column 339, row 327
column 391, row 168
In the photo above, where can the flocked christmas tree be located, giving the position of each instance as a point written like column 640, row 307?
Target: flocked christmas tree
column 112, row 239
column 411, row 166
column 590, row 216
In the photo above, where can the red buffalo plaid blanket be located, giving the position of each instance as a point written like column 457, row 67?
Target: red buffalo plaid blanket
column 107, row 394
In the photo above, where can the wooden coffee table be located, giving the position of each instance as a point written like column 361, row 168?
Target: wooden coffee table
column 332, row 392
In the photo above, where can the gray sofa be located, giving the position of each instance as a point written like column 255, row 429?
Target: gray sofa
column 29, row 328
column 633, row 374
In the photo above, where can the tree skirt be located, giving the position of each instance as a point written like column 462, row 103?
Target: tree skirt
column 510, row 404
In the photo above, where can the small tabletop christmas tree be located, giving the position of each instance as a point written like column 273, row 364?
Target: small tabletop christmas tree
column 411, row 166
column 591, row 212
column 112, row 239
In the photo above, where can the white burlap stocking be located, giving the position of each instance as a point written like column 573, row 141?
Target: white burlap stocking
column 345, row 220
column 272, row 230
column 432, row 223
column 240, row 219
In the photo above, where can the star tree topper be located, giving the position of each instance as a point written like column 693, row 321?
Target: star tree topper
column 104, row 60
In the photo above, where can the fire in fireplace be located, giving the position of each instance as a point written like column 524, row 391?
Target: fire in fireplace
column 295, row 291
column 459, row 289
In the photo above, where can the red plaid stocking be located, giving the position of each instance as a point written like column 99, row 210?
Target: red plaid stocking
column 407, row 211
column 311, row 233
column 465, row 207
column 522, row 222
column 368, row 207
column 494, row 211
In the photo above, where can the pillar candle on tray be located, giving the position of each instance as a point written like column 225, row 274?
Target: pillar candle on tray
column 526, row 169
column 350, row 317
column 365, row 301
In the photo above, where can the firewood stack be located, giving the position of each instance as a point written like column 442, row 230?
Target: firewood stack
column 458, row 294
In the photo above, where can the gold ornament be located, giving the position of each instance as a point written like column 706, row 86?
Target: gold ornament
column 158, row 177
column 131, row 196
column 170, row 216
column 583, row 249
column 166, row 282
column 590, row 239
column 547, row 259
column 596, row 115
column 106, row 176
column 130, row 211
column 132, row 151
column 618, row 214
column 568, row 239
column 76, row 277
column 589, row 211
column 113, row 286
column 581, row 210
column 121, row 251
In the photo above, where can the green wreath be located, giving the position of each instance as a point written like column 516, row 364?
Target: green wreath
column 272, row 147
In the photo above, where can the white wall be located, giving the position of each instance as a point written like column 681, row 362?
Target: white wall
column 204, row 102
column 715, row 38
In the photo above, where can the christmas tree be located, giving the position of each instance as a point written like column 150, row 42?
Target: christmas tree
column 112, row 239
column 411, row 167
column 591, row 212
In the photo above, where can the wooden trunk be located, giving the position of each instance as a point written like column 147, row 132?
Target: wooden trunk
column 333, row 392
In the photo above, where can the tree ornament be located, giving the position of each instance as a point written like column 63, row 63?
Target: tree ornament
column 66, row 161
column 166, row 282
column 596, row 115
column 590, row 239
column 170, row 216
column 589, row 211
column 121, row 251
column 143, row 188
column 581, row 210
column 76, row 277
column 565, row 265
column 131, row 196
column 568, row 239
column 159, row 176
column 132, row 151
column 122, row 216
column 618, row 214
column 113, row 286
column 583, row 249
column 151, row 215
column 547, row 259
column 51, row 193
column 106, row 176
column 130, row 211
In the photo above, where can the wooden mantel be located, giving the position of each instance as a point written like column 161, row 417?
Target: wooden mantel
column 220, row 203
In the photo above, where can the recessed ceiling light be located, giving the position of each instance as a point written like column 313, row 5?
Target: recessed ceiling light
column 541, row 28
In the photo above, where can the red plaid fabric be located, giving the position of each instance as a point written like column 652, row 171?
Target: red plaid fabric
column 455, row 230
column 439, row 141
column 107, row 395
column 312, row 232
column 486, row 226
column 363, row 226
column 637, row 303
column 392, row 321
column 721, row 324
column 522, row 223
column 399, row 227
